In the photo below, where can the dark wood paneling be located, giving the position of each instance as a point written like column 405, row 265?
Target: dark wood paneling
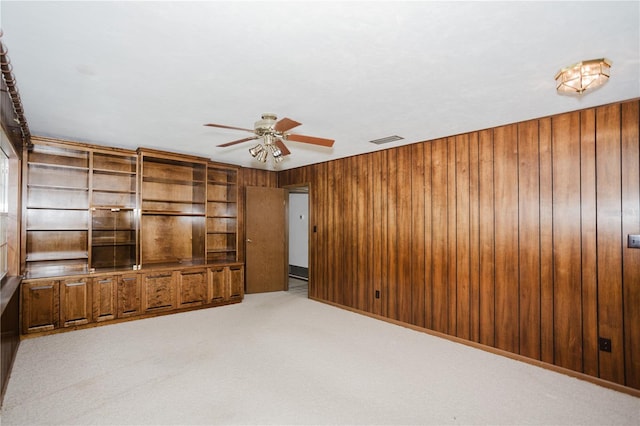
column 417, row 236
column 566, row 241
column 631, row 225
column 609, row 237
column 505, row 163
column 589, row 255
column 439, row 237
column 514, row 237
column 463, row 229
column 546, row 242
column 486, row 238
column 474, row 237
column 529, row 238
column 404, row 234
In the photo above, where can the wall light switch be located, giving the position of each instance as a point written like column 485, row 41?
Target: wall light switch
column 634, row 241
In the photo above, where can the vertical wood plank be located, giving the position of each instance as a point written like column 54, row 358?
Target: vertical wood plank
column 631, row 225
column 362, row 229
column 451, row 235
column 347, row 244
column 463, row 307
column 474, row 237
column 529, row 238
column 322, row 288
column 417, row 235
column 404, row 234
column 428, row 234
column 546, row 241
column 487, row 238
column 609, row 237
column 370, row 234
column 589, row 258
column 566, row 241
column 392, row 236
column 506, row 237
column 439, row 241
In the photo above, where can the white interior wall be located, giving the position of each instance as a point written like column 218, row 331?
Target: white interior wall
column 299, row 230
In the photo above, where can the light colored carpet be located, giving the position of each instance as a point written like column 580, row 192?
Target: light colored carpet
column 278, row 358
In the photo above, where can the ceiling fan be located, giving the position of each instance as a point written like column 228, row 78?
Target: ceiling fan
column 274, row 133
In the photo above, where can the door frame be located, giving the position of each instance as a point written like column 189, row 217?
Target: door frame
column 295, row 188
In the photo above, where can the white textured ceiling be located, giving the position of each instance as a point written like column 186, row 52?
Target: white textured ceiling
column 150, row 74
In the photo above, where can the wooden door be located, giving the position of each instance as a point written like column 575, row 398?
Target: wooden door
column 40, row 306
column 129, row 296
column 75, row 302
column 266, row 240
column 105, row 291
column 192, row 287
column 158, row 289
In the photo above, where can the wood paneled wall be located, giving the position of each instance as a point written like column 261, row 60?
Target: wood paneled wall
column 513, row 237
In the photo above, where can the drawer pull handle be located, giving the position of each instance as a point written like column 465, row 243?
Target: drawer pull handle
column 74, row 284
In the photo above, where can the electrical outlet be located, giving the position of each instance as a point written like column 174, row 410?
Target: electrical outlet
column 604, row 344
column 633, row 241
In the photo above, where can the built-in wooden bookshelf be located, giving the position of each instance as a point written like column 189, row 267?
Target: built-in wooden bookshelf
column 172, row 207
column 222, row 214
column 111, row 234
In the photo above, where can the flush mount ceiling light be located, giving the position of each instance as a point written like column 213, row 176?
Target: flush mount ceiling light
column 583, row 76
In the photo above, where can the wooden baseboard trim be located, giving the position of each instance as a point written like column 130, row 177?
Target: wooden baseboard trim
column 575, row 374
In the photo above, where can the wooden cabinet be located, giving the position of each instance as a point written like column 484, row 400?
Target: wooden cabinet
column 129, row 295
column 75, row 301
column 105, row 296
column 110, row 234
column 40, row 306
column 173, row 200
column 158, row 291
column 192, row 287
column 56, row 197
column 222, row 214
column 226, row 283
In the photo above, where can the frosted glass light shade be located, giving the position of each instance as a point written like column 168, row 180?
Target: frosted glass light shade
column 583, row 76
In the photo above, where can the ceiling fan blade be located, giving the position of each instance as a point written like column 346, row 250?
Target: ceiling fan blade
column 283, row 148
column 222, row 126
column 310, row 139
column 285, row 124
column 250, row 138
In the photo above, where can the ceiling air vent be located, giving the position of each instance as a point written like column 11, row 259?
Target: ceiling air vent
column 387, row 139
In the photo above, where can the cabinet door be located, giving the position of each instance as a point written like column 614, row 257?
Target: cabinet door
column 129, row 295
column 158, row 291
column 40, row 308
column 236, row 282
column 218, row 284
column 105, row 291
column 192, row 287
column 75, row 301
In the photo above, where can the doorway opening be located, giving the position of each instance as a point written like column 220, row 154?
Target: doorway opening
column 298, row 224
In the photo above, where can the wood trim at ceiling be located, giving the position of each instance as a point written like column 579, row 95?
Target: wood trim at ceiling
column 12, row 117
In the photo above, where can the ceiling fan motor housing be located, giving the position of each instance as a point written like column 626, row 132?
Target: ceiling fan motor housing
column 265, row 125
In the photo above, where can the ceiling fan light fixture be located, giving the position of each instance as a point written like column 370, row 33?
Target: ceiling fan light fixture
column 583, row 76
column 256, row 150
column 275, row 151
column 262, row 156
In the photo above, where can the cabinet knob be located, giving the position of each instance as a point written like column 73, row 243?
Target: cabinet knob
column 249, row 240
